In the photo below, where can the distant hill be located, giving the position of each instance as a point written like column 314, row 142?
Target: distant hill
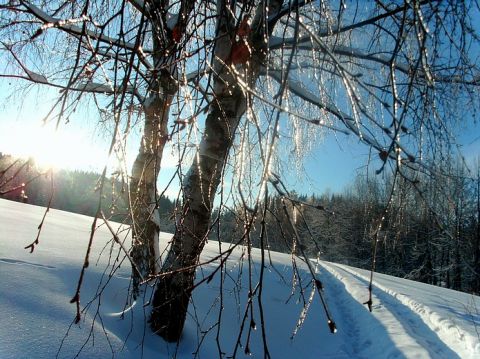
column 76, row 191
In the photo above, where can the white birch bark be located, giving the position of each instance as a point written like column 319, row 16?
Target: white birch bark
column 146, row 168
column 173, row 291
column 143, row 189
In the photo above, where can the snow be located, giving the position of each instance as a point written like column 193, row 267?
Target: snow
column 409, row 319
column 69, row 26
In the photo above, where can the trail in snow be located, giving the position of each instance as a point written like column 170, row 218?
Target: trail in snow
column 453, row 315
column 407, row 329
column 431, row 330
column 20, row 262
column 365, row 334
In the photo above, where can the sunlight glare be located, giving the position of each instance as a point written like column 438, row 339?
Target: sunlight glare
column 58, row 149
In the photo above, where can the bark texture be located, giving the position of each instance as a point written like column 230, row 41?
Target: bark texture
column 143, row 189
column 174, row 288
column 164, row 85
column 172, row 294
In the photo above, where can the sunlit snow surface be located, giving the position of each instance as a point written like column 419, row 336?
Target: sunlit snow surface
column 409, row 320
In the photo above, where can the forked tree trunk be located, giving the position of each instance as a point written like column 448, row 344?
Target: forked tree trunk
column 143, row 189
column 143, row 185
column 173, row 290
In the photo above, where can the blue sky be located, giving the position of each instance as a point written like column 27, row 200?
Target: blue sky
column 332, row 164
column 80, row 144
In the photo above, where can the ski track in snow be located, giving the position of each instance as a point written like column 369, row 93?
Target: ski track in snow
column 437, row 336
column 378, row 335
column 449, row 332
column 20, row 262
column 349, row 317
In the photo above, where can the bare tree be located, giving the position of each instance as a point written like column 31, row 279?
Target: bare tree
column 271, row 77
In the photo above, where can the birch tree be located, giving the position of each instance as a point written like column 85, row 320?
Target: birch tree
column 250, row 86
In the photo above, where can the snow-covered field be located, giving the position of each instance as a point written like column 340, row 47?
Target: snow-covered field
column 409, row 319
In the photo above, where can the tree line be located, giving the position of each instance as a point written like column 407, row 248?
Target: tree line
column 70, row 190
column 430, row 231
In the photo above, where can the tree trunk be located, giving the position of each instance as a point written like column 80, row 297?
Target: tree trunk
column 173, row 290
column 476, row 250
column 143, row 185
column 143, row 189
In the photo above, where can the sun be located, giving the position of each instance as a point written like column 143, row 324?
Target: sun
column 62, row 148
